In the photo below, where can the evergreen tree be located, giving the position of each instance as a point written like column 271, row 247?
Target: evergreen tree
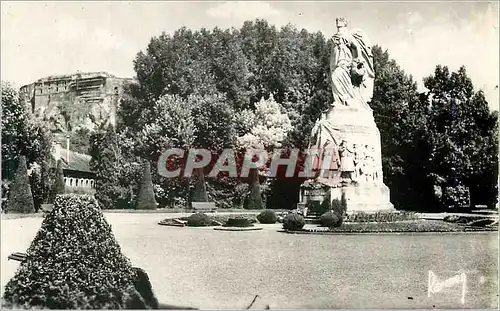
column 59, row 186
column 20, row 197
column 41, row 181
column 105, row 162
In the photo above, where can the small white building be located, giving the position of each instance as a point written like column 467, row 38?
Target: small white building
column 77, row 174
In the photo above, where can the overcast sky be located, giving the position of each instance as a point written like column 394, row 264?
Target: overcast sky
column 46, row 38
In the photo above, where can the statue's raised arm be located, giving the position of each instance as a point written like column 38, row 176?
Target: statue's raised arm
column 351, row 66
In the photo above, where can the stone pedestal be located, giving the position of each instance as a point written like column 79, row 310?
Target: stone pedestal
column 357, row 126
column 365, row 198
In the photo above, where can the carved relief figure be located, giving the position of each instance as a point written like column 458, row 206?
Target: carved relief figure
column 368, row 164
column 358, row 159
column 347, row 166
column 330, row 159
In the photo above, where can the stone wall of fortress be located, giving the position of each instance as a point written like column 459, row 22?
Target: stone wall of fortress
column 89, row 96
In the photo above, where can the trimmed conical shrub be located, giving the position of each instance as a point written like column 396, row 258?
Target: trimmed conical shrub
column 254, row 200
column 74, row 262
column 20, row 196
column 200, row 187
column 146, row 197
column 58, row 187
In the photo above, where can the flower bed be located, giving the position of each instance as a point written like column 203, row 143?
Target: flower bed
column 396, row 227
column 380, row 217
column 237, row 228
column 216, row 220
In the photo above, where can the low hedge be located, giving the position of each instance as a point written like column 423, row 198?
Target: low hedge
column 380, row 216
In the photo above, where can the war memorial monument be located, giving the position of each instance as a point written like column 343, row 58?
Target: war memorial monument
column 346, row 139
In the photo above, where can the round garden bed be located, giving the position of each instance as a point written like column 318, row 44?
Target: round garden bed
column 237, row 228
column 238, row 222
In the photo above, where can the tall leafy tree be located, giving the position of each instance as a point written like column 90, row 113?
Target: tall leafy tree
column 464, row 134
column 402, row 120
column 214, row 126
column 21, row 134
column 271, row 126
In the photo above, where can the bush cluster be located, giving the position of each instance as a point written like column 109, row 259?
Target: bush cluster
column 331, row 220
column 267, row 217
column 340, row 206
column 317, row 208
column 199, row 220
column 227, row 192
column 74, row 262
column 293, row 222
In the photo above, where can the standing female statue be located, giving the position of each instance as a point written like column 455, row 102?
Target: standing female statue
column 351, row 65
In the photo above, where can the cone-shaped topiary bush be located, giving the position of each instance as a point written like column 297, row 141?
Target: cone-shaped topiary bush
column 58, row 187
column 200, row 187
column 20, row 196
column 74, row 262
column 146, row 197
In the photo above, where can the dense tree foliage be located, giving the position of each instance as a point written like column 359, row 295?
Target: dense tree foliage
column 270, row 128
column 232, row 70
column 464, row 135
column 444, row 138
column 23, row 135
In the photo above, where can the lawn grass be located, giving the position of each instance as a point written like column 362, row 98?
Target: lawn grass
column 211, row 269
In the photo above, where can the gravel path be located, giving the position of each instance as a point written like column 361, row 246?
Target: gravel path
column 209, row 269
